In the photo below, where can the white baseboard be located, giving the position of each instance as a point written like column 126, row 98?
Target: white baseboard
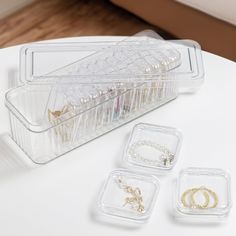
column 9, row 6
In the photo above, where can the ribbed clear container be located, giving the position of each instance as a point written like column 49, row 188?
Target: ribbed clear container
column 63, row 104
column 43, row 140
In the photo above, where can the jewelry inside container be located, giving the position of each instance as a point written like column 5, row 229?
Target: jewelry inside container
column 129, row 195
column 89, row 89
column 56, row 111
column 203, row 194
column 152, row 148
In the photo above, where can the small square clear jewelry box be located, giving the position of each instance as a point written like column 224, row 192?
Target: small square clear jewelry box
column 152, row 148
column 127, row 195
column 202, row 195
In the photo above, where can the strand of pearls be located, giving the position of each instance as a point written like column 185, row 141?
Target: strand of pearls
column 165, row 159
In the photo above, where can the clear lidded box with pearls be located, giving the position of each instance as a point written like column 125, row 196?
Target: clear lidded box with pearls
column 152, row 148
column 72, row 93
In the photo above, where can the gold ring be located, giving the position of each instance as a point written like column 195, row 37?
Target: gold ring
column 206, row 192
column 206, row 196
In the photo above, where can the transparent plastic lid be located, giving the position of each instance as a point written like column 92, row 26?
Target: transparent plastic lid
column 143, row 58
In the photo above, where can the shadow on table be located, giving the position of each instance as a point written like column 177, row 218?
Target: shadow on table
column 13, row 78
column 12, row 160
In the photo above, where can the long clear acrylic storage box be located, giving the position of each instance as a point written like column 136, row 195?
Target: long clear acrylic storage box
column 73, row 93
column 202, row 195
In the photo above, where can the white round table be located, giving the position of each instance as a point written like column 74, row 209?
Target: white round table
column 58, row 198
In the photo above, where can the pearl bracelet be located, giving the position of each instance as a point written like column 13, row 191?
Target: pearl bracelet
column 165, row 159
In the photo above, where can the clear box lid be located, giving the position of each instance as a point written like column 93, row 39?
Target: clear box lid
column 142, row 58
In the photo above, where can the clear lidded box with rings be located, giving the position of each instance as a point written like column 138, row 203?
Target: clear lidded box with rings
column 202, row 195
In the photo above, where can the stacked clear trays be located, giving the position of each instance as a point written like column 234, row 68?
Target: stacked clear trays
column 73, row 93
column 202, row 195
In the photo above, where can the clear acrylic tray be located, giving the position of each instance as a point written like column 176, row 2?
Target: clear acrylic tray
column 128, row 196
column 152, row 148
column 202, row 195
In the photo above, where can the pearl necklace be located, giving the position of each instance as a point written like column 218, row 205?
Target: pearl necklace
column 166, row 158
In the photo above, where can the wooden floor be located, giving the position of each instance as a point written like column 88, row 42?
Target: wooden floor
column 47, row 19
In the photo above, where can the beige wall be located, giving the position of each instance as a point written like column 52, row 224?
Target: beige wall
column 221, row 9
column 213, row 34
column 9, row 6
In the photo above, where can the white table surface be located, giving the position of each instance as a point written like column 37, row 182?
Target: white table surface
column 58, row 198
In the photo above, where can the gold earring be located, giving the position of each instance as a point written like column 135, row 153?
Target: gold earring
column 54, row 118
column 136, row 199
column 210, row 193
column 192, row 203
column 206, row 196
